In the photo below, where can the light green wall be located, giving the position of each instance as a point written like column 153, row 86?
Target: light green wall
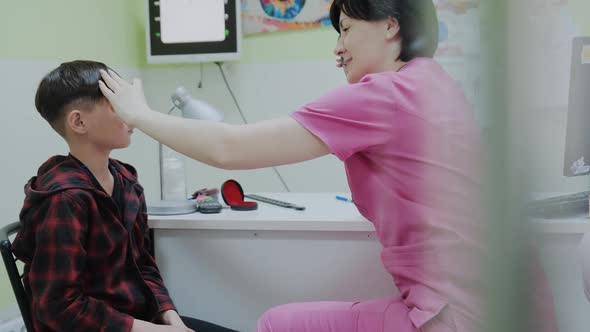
column 66, row 29
column 6, row 295
column 581, row 11
column 112, row 31
column 292, row 46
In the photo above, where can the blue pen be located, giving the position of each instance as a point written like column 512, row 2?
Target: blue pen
column 344, row 199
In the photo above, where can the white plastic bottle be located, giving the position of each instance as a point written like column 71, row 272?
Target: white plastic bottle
column 174, row 186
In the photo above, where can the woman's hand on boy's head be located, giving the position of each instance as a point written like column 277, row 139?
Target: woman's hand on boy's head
column 127, row 99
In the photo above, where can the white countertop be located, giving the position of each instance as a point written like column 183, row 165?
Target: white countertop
column 575, row 224
column 579, row 224
column 323, row 213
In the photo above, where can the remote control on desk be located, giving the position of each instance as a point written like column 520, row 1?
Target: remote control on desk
column 209, row 205
column 275, row 202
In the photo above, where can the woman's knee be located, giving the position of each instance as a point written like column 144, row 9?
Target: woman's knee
column 306, row 316
column 275, row 319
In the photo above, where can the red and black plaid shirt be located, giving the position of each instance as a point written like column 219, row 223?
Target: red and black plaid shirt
column 87, row 262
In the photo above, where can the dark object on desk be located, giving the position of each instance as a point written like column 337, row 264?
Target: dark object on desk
column 211, row 192
column 233, row 195
column 560, row 206
column 209, row 205
column 275, row 202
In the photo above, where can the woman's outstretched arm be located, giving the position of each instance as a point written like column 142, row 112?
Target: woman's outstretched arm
column 263, row 144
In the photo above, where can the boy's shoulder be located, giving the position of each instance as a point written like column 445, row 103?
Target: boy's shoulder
column 58, row 173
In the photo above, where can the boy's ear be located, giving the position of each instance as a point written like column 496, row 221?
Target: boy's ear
column 75, row 122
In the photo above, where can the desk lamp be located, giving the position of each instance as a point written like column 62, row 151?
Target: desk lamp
column 190, row 109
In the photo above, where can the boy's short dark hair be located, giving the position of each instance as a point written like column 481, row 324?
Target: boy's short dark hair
column 71, row 85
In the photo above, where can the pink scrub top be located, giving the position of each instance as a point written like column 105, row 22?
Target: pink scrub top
column 411, row 149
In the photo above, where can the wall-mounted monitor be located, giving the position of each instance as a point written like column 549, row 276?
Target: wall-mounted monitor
column 577, row 146
column 184, row 31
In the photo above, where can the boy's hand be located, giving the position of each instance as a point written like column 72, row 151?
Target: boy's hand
column 168, row 328
column 171, row 317
column 143, row 326
column 127, row 99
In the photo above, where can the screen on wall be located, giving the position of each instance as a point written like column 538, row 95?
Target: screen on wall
column 577, row 146
column 193, row 31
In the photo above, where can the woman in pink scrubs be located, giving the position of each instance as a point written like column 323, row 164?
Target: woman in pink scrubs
column 409, row 143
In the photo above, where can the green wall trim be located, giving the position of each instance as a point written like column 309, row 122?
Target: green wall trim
column 112, row 31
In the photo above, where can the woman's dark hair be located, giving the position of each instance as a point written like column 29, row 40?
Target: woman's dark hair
column 417, row 20
column 72, row 84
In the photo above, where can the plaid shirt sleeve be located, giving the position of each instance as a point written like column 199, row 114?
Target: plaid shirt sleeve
column 149, row 270
column 55, row 270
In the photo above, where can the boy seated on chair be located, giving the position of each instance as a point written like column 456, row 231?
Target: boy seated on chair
column 84, row 236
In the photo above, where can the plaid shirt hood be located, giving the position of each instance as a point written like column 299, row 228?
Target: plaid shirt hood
column 87, row 263
column 61, row 173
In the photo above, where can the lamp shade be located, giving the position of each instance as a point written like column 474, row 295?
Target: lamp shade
column 194, row 109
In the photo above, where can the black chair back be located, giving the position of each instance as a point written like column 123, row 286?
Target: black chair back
column 15, row 277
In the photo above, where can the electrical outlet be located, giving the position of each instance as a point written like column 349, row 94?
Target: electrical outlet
column 13, row 325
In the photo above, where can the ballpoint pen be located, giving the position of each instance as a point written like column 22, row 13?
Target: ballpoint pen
column 344, row 199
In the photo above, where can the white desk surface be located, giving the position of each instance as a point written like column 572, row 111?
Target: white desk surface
column 323, row 213
column 575, row 224
column 579, row 224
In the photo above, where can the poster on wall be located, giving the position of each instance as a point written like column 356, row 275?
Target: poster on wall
column 459, row 44
column 280, row 15
column 458, row 27
column 456, row 19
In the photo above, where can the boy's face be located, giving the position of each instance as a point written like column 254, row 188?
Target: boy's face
column 105, row 129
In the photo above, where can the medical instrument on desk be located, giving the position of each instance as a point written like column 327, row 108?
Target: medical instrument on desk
column 212, row 192
column 233, row 195
column 275, row 202
column 208, row 205
column 344, row 199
